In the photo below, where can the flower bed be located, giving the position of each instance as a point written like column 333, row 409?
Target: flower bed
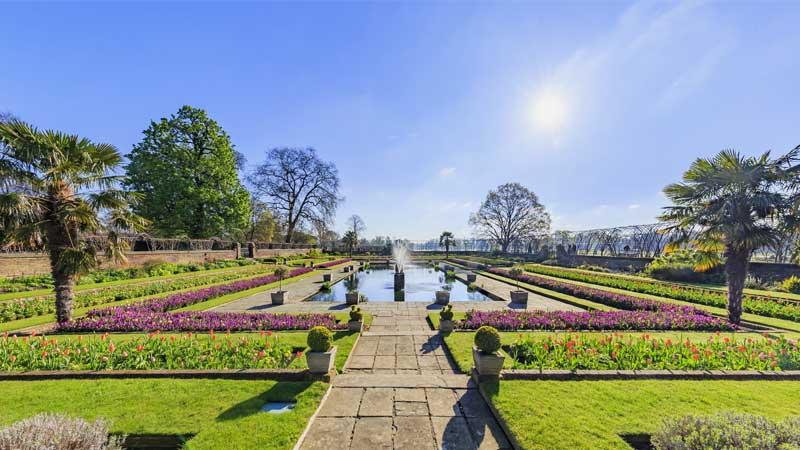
column 595, row 320
column 763, row 306
column 155, row 351
column 154, row 314
column 11, row 310
column 123, row 320
column 618, row 352
column 621, row 301
column 332, row 263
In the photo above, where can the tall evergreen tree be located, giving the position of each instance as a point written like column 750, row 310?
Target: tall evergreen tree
column 186, row 169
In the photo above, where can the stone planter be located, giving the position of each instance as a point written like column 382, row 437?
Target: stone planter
column 351, row 298
column 487, row 365
column 442, row 297
column 446, row 326
column 326, row 278
column 321, row 363
column 278, row 297
column 519, row 297
column 355, row 325
column 346, row 269
column 471, row 278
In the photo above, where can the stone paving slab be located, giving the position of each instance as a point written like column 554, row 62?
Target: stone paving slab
column 357, row 380
column 328, row 433
column 373, row 433
column 413, row 433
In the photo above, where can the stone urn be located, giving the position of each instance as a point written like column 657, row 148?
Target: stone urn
column 471, row 278
column 446, row 326
column 488, row 365
column 346, row 269
column 442, row 297
column 351, row 298
column 278, row 297
column 355, row 325
column 326, row 278
column 520, row 297
column 321, row 363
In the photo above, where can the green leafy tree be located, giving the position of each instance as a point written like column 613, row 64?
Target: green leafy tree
column 732, row 204
column 446, row 240
column 186, row 169
column 350, row 240
column 55, row 189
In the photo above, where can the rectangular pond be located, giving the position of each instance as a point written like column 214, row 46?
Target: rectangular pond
column 377, row 285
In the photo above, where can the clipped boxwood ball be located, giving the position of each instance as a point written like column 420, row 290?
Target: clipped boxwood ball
column 355, row 314
column 320, row 339
column 487, row 339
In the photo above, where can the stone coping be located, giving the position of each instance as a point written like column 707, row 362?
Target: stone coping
column 230, row 374
column 535, row 374
column 355, row 380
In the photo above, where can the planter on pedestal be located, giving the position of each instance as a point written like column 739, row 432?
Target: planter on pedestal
column 471, row 278
column 326, row 278
column 351, row 298
column 488, row 365
column 321, row 363
column 278, row 297
column 519, row 297
column 442, row 297
column 355, row 325
column 446, row 326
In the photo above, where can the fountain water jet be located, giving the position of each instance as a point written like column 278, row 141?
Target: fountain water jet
column 400, row 254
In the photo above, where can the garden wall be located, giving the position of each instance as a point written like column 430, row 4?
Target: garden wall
column 37, row 263
column 762, row 270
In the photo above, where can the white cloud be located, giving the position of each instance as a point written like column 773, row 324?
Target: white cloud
column 634, row 206
column 447, row 171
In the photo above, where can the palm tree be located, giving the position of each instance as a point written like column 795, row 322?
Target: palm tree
column 733, row 205
column 350, row 239
column 54, row 189
column 446, row 240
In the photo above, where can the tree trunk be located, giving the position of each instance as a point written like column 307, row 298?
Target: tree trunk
column 64, row 285
column 447, row 251
column 736, row 265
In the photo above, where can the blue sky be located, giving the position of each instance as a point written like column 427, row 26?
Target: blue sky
column 424, row 107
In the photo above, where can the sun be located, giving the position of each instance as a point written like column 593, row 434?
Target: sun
column 549, row 110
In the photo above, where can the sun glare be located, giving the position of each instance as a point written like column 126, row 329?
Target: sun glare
column 549, row 111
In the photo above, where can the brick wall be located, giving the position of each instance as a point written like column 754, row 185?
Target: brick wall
column 37, row 263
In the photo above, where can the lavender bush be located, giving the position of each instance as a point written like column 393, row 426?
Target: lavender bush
column 332, row 263
column 727, row 431
column 57, row 432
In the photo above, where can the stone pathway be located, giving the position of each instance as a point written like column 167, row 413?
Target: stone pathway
column 401, row 390
column 297, row 292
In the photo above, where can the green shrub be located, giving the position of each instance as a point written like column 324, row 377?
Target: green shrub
column 446, row 313
column 325, row 287
column 791, row 284
column 679, row 266
column 355, row 314
column 593, row 268
column 727, row 431
column 472, row 287
column 487, row 339
column 319, row 339
column 450, row 274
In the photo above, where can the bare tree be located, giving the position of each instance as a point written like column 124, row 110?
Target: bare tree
column 298, row 185
column 356, row 224
column 510, row 213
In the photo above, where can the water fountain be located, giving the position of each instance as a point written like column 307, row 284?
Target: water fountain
column 401, row 257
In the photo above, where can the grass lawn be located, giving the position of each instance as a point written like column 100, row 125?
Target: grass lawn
column 221, row 414
column 460, row 343
column 593, row 414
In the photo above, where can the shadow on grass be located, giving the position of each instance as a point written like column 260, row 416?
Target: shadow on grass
column 283, row 391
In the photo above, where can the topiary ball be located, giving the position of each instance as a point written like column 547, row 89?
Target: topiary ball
column 487, row 339
column 319, row 339
column 446, row 313
column 355, row 314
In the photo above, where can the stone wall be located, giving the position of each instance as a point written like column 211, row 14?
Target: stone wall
column 37, row 263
